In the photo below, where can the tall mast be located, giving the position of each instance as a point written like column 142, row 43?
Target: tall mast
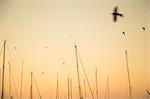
column 3, row 72
column 9, row 80
column 96, row 83
column 68, row 88
column 108, row 87
column 107, row 93
column 80, row 95
column 31, row 87
column 57, row 90
column 21, row 81
column 0, row 79
column 130, row 89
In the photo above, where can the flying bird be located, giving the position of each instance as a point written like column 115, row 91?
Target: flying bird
column 143, row 28
column 116, row 14
column 63, row 63
column 148, row 92
column 42, row 73
column 15, row 48
column 123, row 33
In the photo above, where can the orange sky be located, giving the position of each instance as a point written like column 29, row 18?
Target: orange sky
column 57, row 25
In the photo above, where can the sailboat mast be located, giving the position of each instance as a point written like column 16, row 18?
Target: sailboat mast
column 130, row 89
column 107, row 93
column 9, row 80
column 0, row 79
column 68, row 88
column 21, row 81
column 57, row 90
column 80, row 95
column 96, row 83
column 31, row 87
column 3, row 72
column 108, row 87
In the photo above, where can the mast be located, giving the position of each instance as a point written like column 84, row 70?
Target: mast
column 96, row 83
column 80, row 95
column 31, row 87
column 130, row 89
column 21, row 81
column 57, row 91
column 3, row 72
column 68, row 88
column 108, row 87
column 107, row 94
column 9, row 80
column 0, row 79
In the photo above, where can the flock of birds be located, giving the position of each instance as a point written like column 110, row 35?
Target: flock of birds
column 116, row 14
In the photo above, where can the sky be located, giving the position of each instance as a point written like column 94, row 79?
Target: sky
column 43, row 35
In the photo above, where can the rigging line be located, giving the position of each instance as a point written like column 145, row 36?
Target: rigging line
column 86, row 76
column 37, row 88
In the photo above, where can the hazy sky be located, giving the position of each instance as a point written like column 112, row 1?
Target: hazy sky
column 44, row 33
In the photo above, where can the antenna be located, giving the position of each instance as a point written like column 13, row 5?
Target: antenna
column 3, row 72
column 80, row 95
column 130, row 89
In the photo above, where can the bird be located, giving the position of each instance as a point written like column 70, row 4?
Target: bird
column 42, row 73
column 143, row 28
column 63, row 63
column 123, row 33
column 148, row 92
column 115, row 14
column 15, row 48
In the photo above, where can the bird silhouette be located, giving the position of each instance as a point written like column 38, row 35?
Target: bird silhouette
column 42, row 73
column 63, row 63
column 143, row 28
column 148, row 92
column 123, row 33
column 15, row 48
column 115, row 14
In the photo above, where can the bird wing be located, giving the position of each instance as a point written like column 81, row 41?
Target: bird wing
column 121, row 15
